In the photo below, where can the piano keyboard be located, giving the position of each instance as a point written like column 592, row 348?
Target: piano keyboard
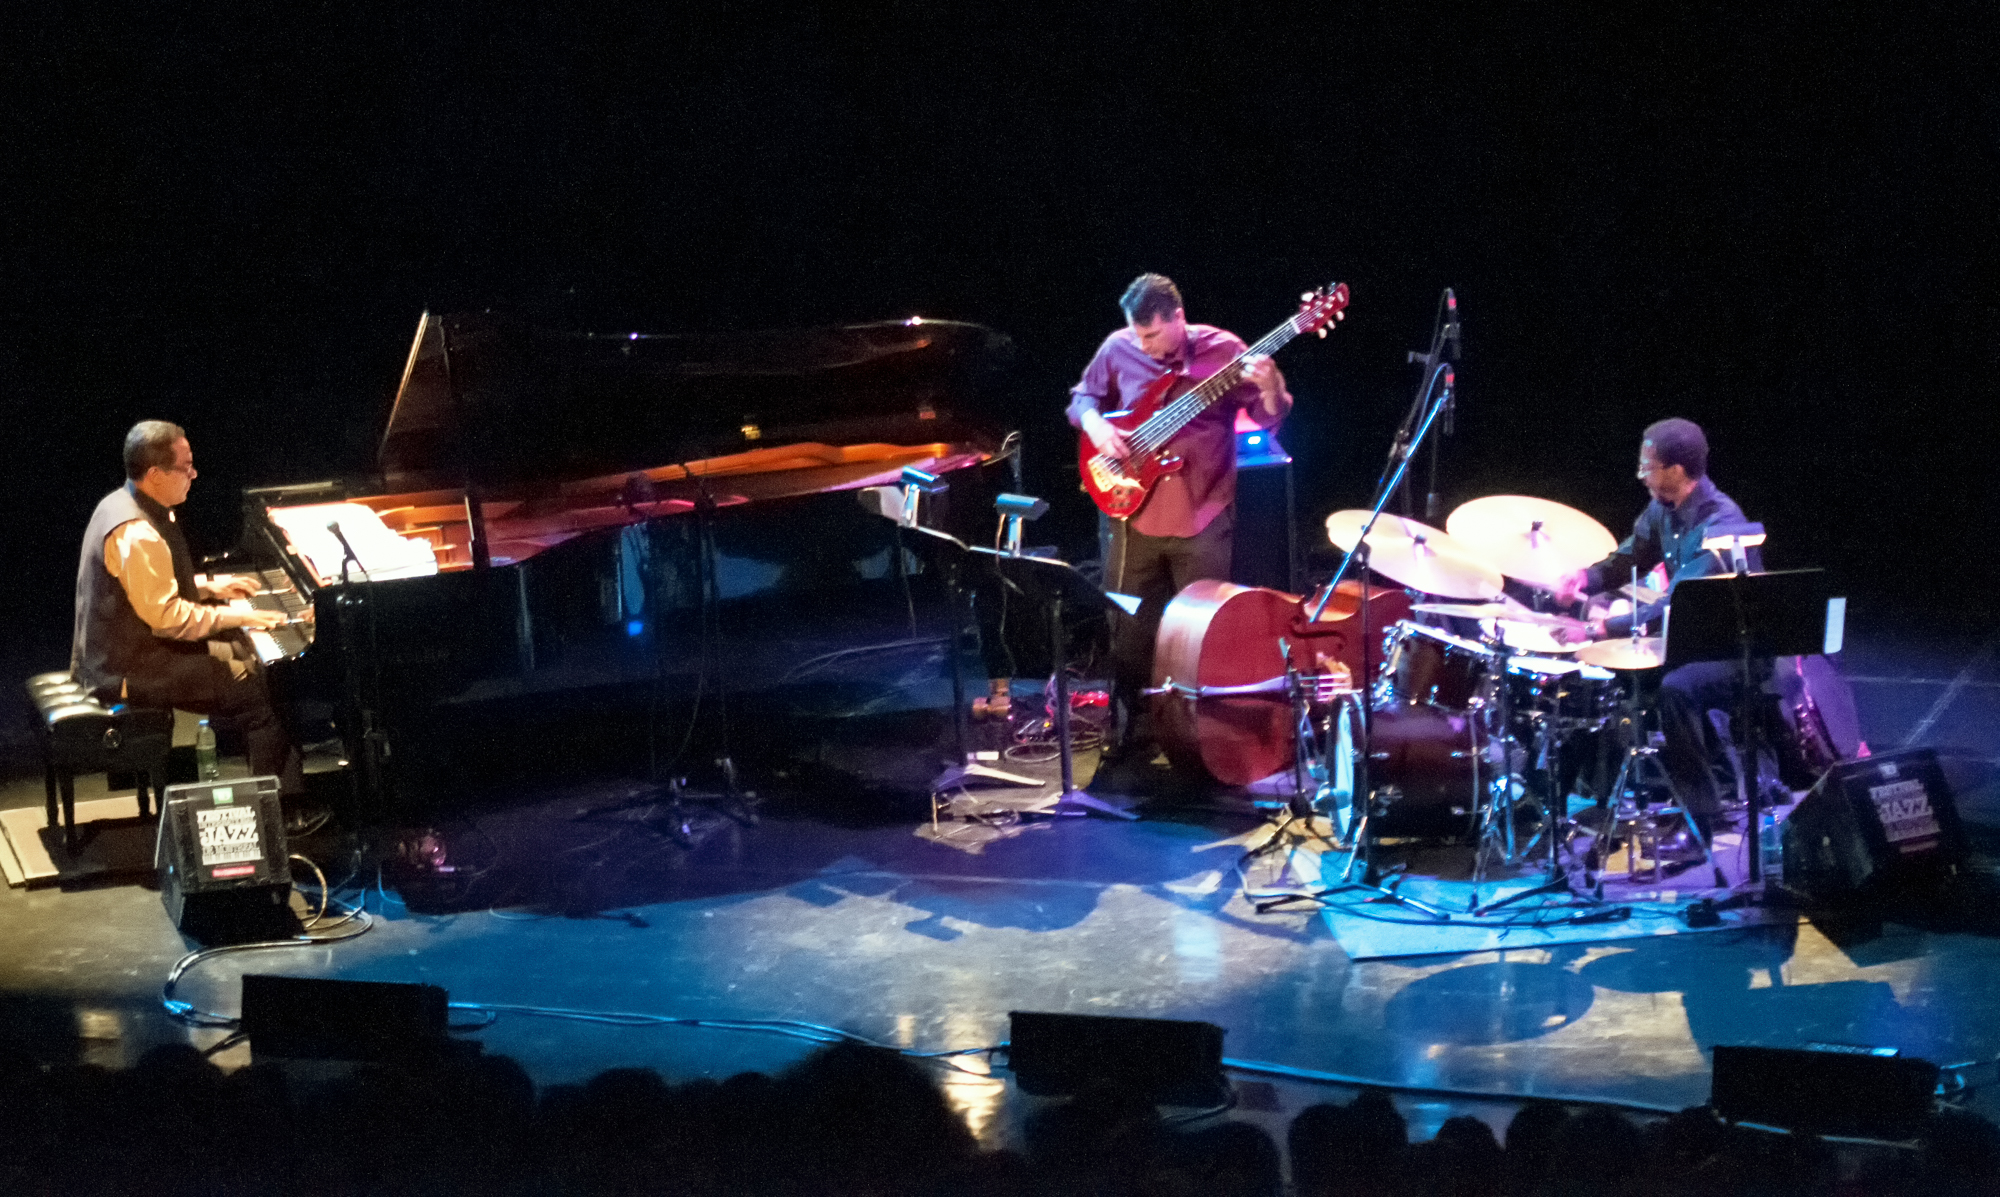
column 286, row 640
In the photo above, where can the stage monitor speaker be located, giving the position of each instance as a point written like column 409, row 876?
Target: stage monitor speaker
column 1856, row 1093
column 223, row 868
column 316, row 1019
column 1265, row 547
column 1178, row 1063
column 1872, row 826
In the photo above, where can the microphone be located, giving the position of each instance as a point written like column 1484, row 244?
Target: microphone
column 347, row 549
column 1450, row 325
column 1450, row 400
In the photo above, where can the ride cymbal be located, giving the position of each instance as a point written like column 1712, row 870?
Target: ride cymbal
column 1534, row 540
column 1416, row 555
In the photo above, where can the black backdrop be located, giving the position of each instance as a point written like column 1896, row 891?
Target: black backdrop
column 1779, row 223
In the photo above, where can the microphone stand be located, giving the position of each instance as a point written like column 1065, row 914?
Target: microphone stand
column 1393, row 477
column 373, row 740
column 1444, row 344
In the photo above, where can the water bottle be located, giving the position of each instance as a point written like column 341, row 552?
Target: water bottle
column 204, row 752
column 1770, row 850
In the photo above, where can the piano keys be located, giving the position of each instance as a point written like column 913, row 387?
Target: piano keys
column 289, row 639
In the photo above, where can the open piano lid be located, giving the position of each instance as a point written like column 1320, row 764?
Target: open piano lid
column 496, row 400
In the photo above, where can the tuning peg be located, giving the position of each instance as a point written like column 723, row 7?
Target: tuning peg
column 1305, row 296
column 1341, row 314
column 1321, row 330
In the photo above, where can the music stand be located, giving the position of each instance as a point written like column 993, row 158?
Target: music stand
column 1057, row 584
column 954, row 559
column 1743, row 618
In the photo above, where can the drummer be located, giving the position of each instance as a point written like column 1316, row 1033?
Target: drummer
column 1686, row 507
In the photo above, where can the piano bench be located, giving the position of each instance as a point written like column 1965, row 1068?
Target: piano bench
column 82, row 735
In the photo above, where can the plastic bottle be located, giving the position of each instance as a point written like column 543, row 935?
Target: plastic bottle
column 1770, row 850
column 204, row 753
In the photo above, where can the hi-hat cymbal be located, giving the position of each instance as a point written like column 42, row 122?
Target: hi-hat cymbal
column 1417, row 555
column 1535, row 540
column 1647, row 652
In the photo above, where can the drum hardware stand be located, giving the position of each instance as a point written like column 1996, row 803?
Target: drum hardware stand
column 1361, row 850
column 1640, row 754
column 1557, row 814
column 1295, row 830
column 1500, row 806
column 1361, row 847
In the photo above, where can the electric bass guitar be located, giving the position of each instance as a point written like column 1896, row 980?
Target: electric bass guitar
column 1120, row 488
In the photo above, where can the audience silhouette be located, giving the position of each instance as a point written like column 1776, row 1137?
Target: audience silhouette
column 861, row 1121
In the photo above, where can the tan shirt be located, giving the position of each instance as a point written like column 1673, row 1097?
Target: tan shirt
column 137, row 555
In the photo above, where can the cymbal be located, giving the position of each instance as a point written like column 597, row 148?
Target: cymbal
column 1532, row 638
column 1647, row 652
column 1512, row 612
column 1416, row 555
column 1535, row 540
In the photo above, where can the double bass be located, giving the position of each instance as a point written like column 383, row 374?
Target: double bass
column 1221, row 698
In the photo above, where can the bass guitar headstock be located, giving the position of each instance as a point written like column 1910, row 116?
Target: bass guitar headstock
column 1319, row 310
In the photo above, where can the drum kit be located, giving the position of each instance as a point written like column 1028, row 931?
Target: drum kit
column 1477, row 701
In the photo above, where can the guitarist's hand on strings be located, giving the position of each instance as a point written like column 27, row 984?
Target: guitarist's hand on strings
column 1270, row 384
column 1109, row 440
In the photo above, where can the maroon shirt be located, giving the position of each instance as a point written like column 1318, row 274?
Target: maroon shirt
column 1186, row 501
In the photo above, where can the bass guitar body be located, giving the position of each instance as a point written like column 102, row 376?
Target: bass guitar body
column 1120, row 488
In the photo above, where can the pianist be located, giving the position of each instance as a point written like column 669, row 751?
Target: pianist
column 148, row 631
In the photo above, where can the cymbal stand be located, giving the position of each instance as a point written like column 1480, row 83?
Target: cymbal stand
column 1294, row 830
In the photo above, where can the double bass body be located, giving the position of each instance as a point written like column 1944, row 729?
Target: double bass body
column 1219, row 666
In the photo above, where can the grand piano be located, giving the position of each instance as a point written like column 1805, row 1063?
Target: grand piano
column 636, row 552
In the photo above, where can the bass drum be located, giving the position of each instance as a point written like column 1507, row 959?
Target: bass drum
column 1819, row 725
column 1421, row 764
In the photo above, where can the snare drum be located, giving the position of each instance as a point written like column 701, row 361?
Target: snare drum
column 1424, row 666
column 1575, row 694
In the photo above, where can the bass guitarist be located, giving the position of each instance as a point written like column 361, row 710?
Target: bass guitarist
column 1183, row 530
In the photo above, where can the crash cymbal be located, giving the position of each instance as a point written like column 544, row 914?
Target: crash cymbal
column 1647, row 652
column 1535, row 540
column 1416, row 555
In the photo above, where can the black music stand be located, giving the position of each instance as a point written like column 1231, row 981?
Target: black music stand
column 1057, row 584
column 1744, row 618
column 954, row 560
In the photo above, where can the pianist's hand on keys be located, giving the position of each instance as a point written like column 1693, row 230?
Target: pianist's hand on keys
column 277, row 623
column 255, row 618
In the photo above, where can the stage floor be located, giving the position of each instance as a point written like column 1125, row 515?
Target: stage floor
column 857, row 921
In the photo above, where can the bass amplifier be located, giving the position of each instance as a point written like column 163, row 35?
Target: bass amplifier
column 221, row 855
column 1872, row 825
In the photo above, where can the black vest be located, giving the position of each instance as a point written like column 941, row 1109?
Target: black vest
column 110, row 642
